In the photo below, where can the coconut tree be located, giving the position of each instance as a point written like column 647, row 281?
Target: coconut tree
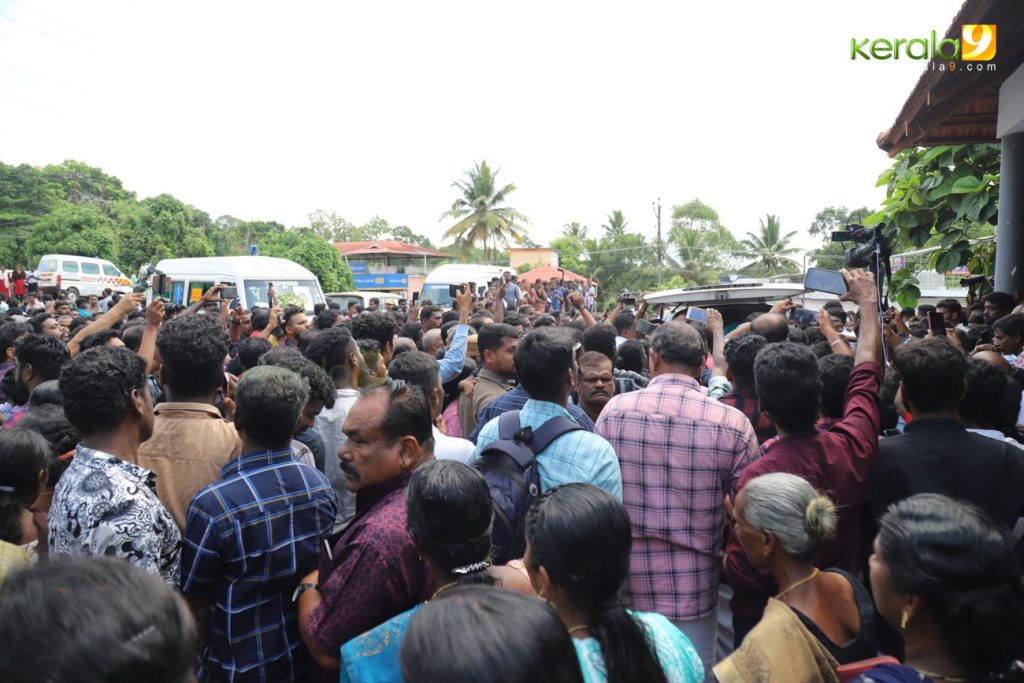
column 482, row 215
column 575, row 231
column 770, row 250
column 616, row 225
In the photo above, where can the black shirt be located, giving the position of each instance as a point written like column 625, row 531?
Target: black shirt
column 861, row 646
column 939, row 456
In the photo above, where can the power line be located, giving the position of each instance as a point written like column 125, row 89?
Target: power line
column 44, row 77
column 51, row 35
column 43, row 16
column 29, row 104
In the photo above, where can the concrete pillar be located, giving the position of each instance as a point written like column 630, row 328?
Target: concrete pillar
column 1010, row 230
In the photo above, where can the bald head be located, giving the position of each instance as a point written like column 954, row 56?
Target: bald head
column 994, row 358
column 676, row 347
column 772, row 326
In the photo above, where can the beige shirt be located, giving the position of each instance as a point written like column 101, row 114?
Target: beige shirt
column 489, row 386
column 191, row 442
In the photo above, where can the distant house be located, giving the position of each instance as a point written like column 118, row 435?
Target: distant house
column 390, row 265
column 532, row 256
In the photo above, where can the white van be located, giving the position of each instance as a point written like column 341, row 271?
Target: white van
column 435, row 287
column 252, row 275
column 363, row 298
column 80, row 275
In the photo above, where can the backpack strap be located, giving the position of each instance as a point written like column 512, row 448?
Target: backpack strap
column 508, row 425
column 551, row 430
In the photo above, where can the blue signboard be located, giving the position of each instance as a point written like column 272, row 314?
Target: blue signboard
column 374, row 281
column 357, row 267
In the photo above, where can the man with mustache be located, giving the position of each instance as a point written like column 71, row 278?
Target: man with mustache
column 597, row 383
column 373, row 572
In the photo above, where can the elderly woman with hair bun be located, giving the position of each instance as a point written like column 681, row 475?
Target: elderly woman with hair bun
column 819, row 619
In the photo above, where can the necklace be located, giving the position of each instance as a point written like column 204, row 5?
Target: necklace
column 581, row 627
column 443, row 588
column 797, row 584
column 956, row 679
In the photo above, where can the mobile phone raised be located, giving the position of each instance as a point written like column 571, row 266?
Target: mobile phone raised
column 821, row 280
column 229, row 293
column 696, row 314
column 937, row 324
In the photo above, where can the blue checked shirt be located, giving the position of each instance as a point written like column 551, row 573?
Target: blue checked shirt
column 249, row 540
column 578, row 456
column 515, row 400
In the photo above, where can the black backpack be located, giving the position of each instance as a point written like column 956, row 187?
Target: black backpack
column 510, row 468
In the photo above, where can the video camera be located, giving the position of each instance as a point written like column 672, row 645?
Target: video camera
column 873, row 251
column 868, row 241
column 151, row 278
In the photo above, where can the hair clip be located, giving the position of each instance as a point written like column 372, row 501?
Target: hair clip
column 471, row 568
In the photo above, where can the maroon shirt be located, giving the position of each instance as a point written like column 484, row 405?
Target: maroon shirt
column 375, row 572
column 837, row 461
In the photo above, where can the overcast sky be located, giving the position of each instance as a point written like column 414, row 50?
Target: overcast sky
column 272, row 110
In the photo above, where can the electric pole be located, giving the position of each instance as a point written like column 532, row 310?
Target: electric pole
column 658, row 246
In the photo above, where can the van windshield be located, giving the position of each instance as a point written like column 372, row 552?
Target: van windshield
column 438, row 294
column 301, row 293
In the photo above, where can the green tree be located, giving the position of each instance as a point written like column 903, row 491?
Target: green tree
column 575, row 231
column 310, row 250
column 944, row 197
column 402, row 233
column 829, row 220
column 71, row 229
column 573, row 253
column 695, row 215
column 770, row 250
column 26, row 194
column 482, row 215
column 160, row 227
column 704, row 247
column 86, row 185
column 615, row 224
column 333, row 228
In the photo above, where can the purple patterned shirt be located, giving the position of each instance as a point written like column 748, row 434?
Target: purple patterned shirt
column 680, row 453
column 373, row 571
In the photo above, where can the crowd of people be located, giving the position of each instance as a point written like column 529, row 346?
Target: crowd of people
column 519, row 489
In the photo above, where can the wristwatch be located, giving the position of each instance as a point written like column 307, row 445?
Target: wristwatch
column 302, row 588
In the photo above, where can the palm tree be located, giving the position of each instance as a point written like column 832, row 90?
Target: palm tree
column 575, row 231
column 616, row 224
column 770, row 250
column 483, row 218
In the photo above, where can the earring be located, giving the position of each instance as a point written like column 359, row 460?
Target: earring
column 904, row 620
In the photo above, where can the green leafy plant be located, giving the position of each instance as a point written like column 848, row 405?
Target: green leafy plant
column 943, row 197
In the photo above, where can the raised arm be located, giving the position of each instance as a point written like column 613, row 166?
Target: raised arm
column 127, row 304
column 576, row 299
column 717, row 327
column 862, row 291
column 207, row 297
column 154, row 319
column 835, row 340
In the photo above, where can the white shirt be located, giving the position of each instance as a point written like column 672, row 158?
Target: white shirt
column 450, row 448
column 998, row 436
column 328, row 425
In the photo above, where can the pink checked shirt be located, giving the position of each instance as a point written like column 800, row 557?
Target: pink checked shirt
column 680, row 453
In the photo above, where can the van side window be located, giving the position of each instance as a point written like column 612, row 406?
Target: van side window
column 111, row 271
column 90, row 268
column 196, row 290
column 69, row 267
